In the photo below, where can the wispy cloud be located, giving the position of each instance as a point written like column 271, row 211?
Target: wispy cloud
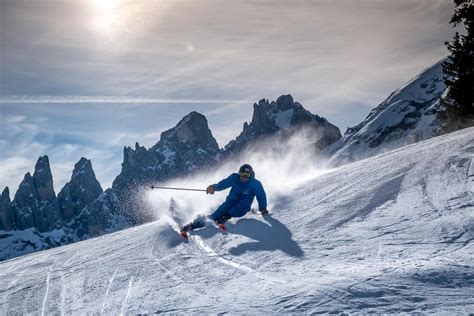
column 31, row 99
column 242, row 50
column 12, row 170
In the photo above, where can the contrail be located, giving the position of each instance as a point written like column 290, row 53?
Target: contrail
column 110, row 99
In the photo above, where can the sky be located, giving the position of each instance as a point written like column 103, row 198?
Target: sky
column 84, row 78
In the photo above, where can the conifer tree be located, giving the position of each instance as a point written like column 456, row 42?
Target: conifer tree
column 459, row 67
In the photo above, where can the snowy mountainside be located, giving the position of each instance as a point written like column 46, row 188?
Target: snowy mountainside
column 388, row 234
column 408, row 115
column 37, row 219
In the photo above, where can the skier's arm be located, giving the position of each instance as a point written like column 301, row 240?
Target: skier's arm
column 223, row 184
column 261, row 197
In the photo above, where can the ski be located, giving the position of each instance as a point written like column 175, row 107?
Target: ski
column 220, row 227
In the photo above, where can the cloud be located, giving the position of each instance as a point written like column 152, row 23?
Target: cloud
column 78, row 99
column 11, row 169
column 15, row 118
column 242, row 50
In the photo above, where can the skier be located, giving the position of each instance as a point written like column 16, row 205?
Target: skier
column 244, row 187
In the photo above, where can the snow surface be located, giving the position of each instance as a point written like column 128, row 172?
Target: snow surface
column 388, row 234
column 29, row 240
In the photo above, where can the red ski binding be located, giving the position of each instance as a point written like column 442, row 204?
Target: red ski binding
column 184, row 234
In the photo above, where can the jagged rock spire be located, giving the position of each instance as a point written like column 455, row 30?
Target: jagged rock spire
column 25, row 203
column 284, row 115
column 43, row 179
column 80, row 191
column 35, row 202
column 7, row 216
column 193, row 130
column 184, row 148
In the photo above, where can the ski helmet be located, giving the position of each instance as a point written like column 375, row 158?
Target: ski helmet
column 246, row 169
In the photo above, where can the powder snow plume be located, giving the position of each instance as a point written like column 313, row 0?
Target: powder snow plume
column 281, row 166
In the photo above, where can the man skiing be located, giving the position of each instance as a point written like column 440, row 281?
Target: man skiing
column 244, row 187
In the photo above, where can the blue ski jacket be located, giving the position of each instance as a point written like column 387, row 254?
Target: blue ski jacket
column 241, row 194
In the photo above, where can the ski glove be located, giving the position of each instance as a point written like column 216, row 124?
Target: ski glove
column 210, row 190
column 264, row 211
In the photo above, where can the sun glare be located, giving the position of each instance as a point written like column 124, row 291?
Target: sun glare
column 122, row 20
column 108, row 15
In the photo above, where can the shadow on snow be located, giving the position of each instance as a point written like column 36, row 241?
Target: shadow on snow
column 268, row 235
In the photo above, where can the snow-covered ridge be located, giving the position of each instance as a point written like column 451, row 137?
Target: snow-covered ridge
column 408, row 115
column 388, row 234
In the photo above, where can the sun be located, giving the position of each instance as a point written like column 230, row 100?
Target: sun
column 108, row 16
column 120, row 22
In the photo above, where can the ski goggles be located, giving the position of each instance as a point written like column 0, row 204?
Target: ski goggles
column 244, row 175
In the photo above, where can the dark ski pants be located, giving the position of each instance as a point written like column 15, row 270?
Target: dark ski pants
column 220, row 215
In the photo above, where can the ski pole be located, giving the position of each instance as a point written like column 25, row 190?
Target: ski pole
column 182, row 189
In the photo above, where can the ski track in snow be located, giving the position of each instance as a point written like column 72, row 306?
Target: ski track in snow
column 390, row 234
column 10, row 286
column 168, row 271
column 48, row 277
column 63, row 281
column 63, row 293
column 70, row 258
column 211, row 253
column 107, row 291
column 125, row 301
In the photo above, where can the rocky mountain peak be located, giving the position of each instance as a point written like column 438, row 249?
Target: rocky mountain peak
column 43, row 179
column 82, row 168
column 5, row 197
column 283, row 115
column 186, row 147
column 268, row 117
column 285, row 102
column 6, row 193
column 26, row 185
column 42, row 162
column 80, row 191
column 35, row 202
column 192, row 129
column 7, row 216
column 25, row 203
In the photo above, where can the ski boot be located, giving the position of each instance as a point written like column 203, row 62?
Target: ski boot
column 184, row 230
column 221, row 222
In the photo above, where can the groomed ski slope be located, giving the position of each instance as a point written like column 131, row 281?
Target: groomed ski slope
column 389, row 234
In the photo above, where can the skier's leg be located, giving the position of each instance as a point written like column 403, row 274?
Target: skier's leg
column 221, row 214
column 239, row 210
column 197, row 223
